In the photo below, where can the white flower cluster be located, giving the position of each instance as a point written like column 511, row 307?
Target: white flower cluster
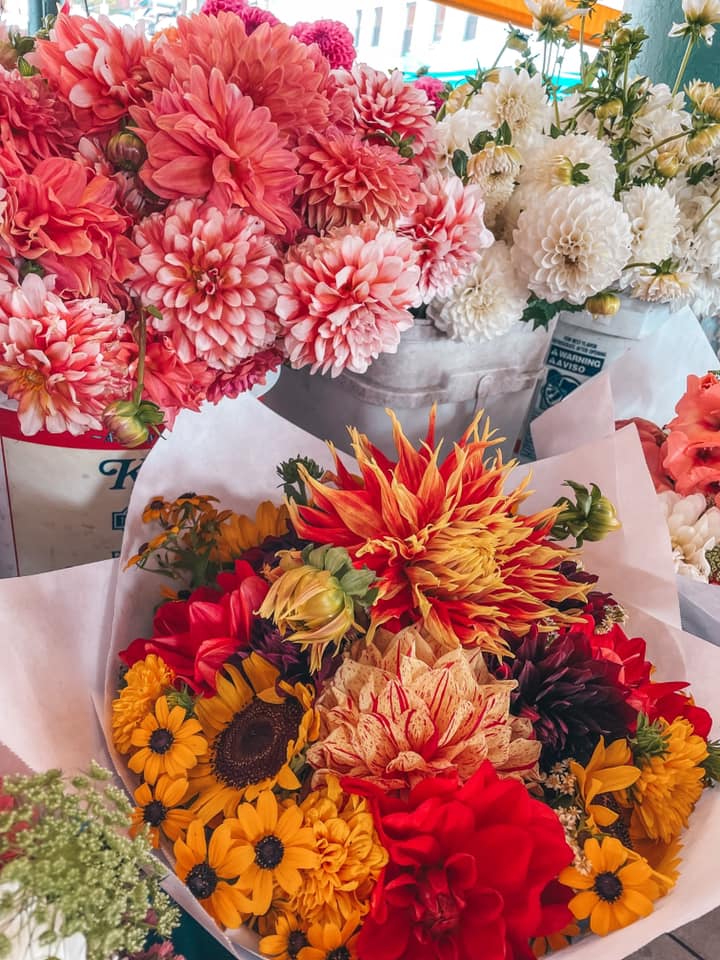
column 694, row 532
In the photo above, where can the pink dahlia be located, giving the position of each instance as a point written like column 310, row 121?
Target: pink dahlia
column 248, row 374
column 34, row 124
column 432, row 88
column 210, row 141
column 346, row 179
column 270, row 66
column 212, row 275
column 96, row 67
column 383, row 105
column 59, row 359
column 447, row 231
column 345, row 297
column 252, row 17
column 63, row 216
column 333, row 38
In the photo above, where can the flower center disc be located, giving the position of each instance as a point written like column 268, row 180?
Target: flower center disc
column 201, row 881
column 608, row 887
column 269, row 853
column 296, row 941
column 253, row 746
column 161, row 740
column 154, row 813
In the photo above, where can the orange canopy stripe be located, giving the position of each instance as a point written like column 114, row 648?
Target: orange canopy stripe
column 515, row 12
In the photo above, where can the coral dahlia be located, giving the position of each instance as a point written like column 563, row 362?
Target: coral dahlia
column 448, row 233
column 345, row 297
column 448, row 544
column 252, row 17
column 333, row 38
column 96, row 67
column 34, row 124
column 212, row 276
column 210, row 141
column 59, row 360
column 346, row 180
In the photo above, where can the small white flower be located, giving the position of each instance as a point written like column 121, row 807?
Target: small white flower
column 654, row 216
column 700, row 15
column 550, row 13
column 674, row 288
column 490, row 300
column 571, row 243
column 660, row 117
column 694, row 530
column 550, row 162
column 516, row 99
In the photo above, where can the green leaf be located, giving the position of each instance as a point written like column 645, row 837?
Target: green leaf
column 459, row 163
column 541, row 312
column 480, row 140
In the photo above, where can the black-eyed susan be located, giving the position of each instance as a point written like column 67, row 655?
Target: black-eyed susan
column 254, row 727
column 287, row 940
column 210, row 869
column 609, row 769
column 277, row 845
column 330, row 942
column 541, row 946
column 158, row 808
column 169, row 742
column 145, row 681
column 239, row 533
column 617, row 889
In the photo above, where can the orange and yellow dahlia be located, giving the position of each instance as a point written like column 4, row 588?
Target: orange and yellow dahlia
column 448, row 544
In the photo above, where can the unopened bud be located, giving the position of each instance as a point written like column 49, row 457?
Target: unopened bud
column 603, row 304
column 622, row 37
column 517, row 41
column 126, row 151
column 668, row 164
column 130, row 422
column 457, row 97
column 702, row 141
column 611, row 109
column 591, row 517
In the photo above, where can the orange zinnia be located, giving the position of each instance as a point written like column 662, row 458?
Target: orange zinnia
column 448, row 545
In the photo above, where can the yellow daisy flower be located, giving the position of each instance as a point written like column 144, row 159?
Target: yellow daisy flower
column 288, row 939
column 670, row 785
column 541, row 946
column 618, row 889
column 664, row 858
column 609, row 769
column 209, row 871
column 254, row 727
column 169, row 743
column 330, row 942
column 158, row 808
column 277, row 846
column 145, row 681
column 239, row 533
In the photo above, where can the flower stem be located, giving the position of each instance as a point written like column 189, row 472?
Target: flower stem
column 716, row 203
column 656, row 146
column 684, row 64
column 142, row 348
column 502, row 51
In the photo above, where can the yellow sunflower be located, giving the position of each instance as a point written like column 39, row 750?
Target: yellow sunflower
column 169, row 743
column 330, row 942
column 145, row 681
column 209, row 871
column 288, row 939
column 239, row 533
column 277, row 846
column 609, row 769
column 254, row 727
column 158, row 808
column 619, row 887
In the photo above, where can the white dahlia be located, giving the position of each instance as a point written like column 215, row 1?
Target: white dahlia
column 699, row 15
column 572, row 109
column 549, row 13
column 654, row 218
column 490, row 300
column 552, row 163
column 457, row 129
column 694, row 530
column 571, row 243
column 675, row 287
column 706, row 296
column 516, row 99
column 494, row 170
column 661, row 116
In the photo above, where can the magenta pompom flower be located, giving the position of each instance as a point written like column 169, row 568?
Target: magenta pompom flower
column 346, row 296
column 212, row 275
column 252, row 17
column 432, row 88
column 333, row 38
column 248, row 374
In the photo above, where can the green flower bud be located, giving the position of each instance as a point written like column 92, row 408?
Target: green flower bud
column 592, row 517
column 611, row 109
column 603, row 304
column 126, row 151
column 129, row 422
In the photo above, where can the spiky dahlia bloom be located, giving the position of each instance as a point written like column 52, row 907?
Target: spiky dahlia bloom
column 212, row 276
column 570, row 243
column 345, row 297
column 449, row 546
column 516, row 99
column 399, row 713
column 34, row 124
column 346, row 179
column 384, row 104
column 270, row 66
column 96, row 67
column 59, row 360
column 448, row 233
column 333, row 38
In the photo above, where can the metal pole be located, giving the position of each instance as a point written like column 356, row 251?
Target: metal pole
column 37, row 11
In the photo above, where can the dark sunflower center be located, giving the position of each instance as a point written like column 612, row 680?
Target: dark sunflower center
column 608, row 887
column 201, row 881
column 269, row 853
column 161, row 740
column 339, row 953
column 154, row 813
column 296, row 941
column 253, row 746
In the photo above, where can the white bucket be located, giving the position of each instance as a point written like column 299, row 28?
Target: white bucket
column 498, row 376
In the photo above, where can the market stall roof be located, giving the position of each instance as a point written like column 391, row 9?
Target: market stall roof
column 517, row 13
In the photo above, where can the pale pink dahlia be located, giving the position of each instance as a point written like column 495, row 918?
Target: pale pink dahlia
column 96, row 67
column 248, row 374
column 270, row 66
column 333, row 38
column 448, row 232
column 210, row 141
column 346, row 179
column 433, row 88
column 212, row 275
column 60, row 360
column 384, row 104
column 34, row 124
column 345, row 297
